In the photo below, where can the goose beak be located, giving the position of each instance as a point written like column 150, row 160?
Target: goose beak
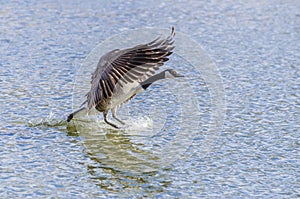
column 179, row 75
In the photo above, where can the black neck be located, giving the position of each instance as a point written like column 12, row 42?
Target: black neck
column 152, row 79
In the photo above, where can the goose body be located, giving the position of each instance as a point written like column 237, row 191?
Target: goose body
column 121, row 74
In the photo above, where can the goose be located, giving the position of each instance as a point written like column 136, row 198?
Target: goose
column 122, row 74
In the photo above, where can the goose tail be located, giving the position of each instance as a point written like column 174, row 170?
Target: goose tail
column 78, row 111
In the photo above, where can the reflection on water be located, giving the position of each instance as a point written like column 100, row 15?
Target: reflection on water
column 115, row 149
column 118, row 160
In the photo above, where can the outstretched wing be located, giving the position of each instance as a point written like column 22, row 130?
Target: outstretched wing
column 128, row 66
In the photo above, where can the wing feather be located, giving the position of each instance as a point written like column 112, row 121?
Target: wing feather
column 128, row 66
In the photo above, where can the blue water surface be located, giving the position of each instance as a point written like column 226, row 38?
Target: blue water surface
column 255, row 45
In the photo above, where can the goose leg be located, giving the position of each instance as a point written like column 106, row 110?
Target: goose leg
column 114, row 115
column 108, row 122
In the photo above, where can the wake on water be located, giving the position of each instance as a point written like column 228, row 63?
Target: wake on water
column 92, row 122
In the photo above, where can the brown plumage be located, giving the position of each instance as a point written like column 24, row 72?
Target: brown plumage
column 120, row 73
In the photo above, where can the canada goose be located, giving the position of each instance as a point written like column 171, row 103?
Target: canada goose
column 121, row 74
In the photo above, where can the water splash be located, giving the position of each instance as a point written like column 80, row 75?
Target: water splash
column 133, row 126
column 139, row 123
column 50, row 121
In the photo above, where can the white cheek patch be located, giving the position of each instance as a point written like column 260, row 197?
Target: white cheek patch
column 168, row 75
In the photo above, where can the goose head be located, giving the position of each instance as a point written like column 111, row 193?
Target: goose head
column 170, row 73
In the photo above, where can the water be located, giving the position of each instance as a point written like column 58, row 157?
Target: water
column 173, row 147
